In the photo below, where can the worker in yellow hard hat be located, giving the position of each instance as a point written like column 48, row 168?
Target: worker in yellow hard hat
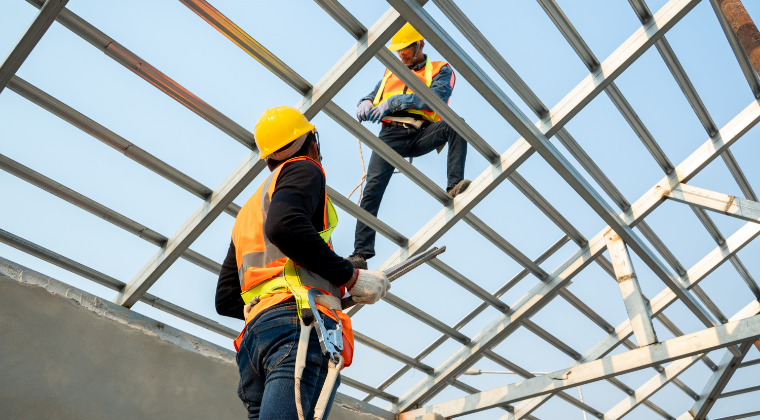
column 409, row 127
column 280, row 250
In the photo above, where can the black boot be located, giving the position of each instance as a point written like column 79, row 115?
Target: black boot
column 459, row 188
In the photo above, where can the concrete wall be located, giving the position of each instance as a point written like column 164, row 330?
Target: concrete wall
column 67, row 354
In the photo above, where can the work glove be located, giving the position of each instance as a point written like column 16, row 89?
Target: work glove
column 377, row 113
column 370, row 286
column 362, row 113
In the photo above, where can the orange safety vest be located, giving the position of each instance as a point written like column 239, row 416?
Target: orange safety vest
column 392, row 85
column 262, row 267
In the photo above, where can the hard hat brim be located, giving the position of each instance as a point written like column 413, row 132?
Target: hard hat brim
column 397, row 47
column 296, row 135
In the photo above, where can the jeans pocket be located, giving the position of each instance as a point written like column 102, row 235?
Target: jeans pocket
column 275, row 339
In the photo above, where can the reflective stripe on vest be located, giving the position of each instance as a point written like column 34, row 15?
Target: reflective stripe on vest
column 392, row 85
column 259, row 260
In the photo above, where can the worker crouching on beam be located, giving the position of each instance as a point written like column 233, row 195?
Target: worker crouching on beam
column 280, row 250
column 409, row 127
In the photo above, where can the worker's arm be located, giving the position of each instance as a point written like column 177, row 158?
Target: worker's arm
column 371, row 95
column 293, row 214
column 228, row 300
column 442, row 85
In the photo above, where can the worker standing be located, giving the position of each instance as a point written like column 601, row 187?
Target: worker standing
column 409, row 127
column 280, row 249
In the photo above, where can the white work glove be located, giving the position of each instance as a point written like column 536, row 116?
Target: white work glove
column 369, row 287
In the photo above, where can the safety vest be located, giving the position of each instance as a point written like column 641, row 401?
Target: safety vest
column 266, row 272
column 392, row 85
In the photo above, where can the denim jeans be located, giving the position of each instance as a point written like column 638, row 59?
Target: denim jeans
column 408, row 142
column 267, row 360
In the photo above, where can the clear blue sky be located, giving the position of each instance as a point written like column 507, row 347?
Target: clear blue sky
column 179, row 43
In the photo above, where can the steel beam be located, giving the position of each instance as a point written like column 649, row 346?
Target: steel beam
column 550, row 124
column 432, row 100
column 635, row 305
column 590, row 61
column 352, row 25
column 716, row 384
column 670, row 326
column 112, row 283
column 357, row 130
column 713, row 230
column 142, row 68
column 677, row 382
column 692, row 96
column 669, row 373
column 345, row 380
column 664, row 20
column 490, row 234
column 376, row 224
column 554, row 341
column 735, row 417
column 710, row 200
column 738, row 174
column 99, row 210
column 29, row 40
column 671, row 12
column 677, row 348
column 658, row 304
column 314, row 99
column 108, row 137
column 355, row 28
column 749, row 363
column 322, row 92
column 394, row 354
column 739, row 391
column 202, row 218
column 637, row 125
column 474, row 313
column 149, row 161
column 424, row 317
column 706, row 153
column 526, row 374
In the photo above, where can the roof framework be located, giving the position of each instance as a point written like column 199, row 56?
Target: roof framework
column 734, row 333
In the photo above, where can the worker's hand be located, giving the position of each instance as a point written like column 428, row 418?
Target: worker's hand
column 377, row 113
column 362, row 113
column 247, row 308
column 370, row 287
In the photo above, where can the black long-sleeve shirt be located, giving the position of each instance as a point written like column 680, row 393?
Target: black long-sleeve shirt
column 293, row 223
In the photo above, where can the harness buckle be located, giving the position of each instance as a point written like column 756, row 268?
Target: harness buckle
column 331, row 341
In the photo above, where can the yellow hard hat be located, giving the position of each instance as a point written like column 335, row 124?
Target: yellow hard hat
column 279, row 126
column 405, row 37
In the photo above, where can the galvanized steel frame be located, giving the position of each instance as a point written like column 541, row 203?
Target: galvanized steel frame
column 370, row 43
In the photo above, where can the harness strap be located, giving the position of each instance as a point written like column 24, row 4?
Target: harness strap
column 295, row 278
column 379, row 95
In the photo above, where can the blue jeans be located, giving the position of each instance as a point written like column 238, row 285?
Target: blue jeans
column 407, row 142
column 267, row 360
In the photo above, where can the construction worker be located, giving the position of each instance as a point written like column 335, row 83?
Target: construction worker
column 409, row 127
column 281, row 248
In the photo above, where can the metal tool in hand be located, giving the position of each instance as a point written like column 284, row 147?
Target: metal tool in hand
column 331, row 341
column 399, row 270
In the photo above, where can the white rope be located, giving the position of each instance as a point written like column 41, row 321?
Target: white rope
column 364, row 177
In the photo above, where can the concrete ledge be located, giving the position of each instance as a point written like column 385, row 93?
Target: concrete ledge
column 67, row 354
